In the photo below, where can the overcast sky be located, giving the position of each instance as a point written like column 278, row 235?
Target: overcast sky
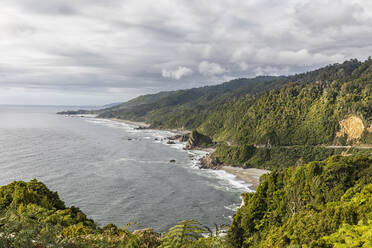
column 81, row 52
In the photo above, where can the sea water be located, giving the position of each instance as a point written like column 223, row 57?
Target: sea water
column 112, row 171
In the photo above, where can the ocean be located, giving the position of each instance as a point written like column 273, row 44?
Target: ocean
column 112, row 171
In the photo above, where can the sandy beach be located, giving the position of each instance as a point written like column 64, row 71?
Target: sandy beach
column 251, row 175
column 146, row 125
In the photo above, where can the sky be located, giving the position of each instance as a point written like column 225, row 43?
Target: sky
column 94, row 52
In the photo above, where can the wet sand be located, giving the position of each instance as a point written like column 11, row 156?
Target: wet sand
column 146, row 125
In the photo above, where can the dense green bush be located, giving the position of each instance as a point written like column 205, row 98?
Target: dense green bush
column 234, row 155
column 277, row 157
column 311, row 205
column 33, row 216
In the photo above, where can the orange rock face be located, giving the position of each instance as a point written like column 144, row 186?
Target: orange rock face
column 352, row 127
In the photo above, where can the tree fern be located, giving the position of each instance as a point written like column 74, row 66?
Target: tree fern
column 184, row 234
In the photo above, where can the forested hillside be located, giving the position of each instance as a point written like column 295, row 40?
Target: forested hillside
column 188, row 108
column 298, row 123
column 217, row 108
column 301, row 114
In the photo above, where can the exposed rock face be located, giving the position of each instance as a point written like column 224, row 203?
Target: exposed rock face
column 352, row 127
column 198, row 140
column 180, row 137
column 210, row 162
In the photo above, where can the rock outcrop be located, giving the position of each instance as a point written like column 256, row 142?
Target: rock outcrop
column 352, row 127
column 179, row 137
column 198, row 140
column 210, row 162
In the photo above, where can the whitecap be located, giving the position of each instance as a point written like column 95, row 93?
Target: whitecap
column 232, row 207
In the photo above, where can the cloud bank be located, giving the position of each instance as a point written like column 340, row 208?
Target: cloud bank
column 176, row 74
column 94, row 52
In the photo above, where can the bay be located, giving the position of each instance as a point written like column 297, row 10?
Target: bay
column 113, row 172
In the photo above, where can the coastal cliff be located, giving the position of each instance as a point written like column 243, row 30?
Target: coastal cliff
column 197, row 140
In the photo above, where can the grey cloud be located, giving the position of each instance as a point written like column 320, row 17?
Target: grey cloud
column 130, row 47
column 55, row 7
column 318, row 15
column 210, row 69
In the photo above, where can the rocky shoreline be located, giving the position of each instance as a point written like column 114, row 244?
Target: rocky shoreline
column 208, row 161
column 196, row 141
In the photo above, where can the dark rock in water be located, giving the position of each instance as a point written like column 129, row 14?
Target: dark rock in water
column 175, row 137
column 141, row 128
column 170, row 142
column 172, row 161
column 129, row 139
column 210, row 162
column 198, row 140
